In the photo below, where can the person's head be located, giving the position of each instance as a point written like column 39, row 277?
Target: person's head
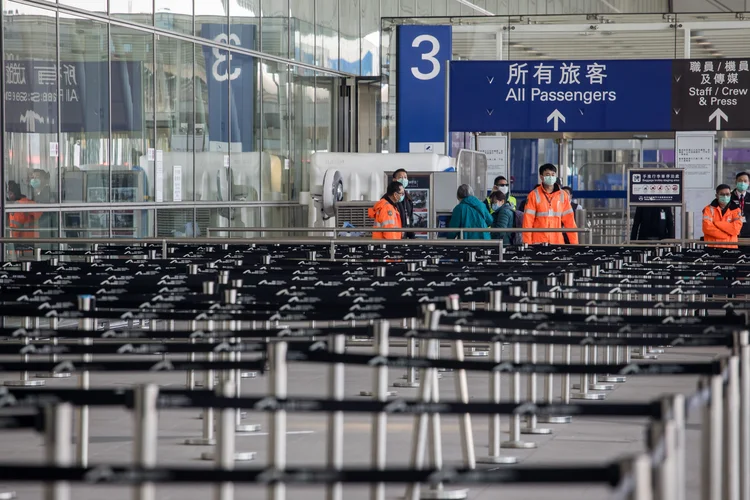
column 39, row 179
column 743, row 181
column 497, row 199
column 569, row 190
column 464, row 191
column 401, row 176
column 501, row 184
column 13, row 192
column 395, row 192
column 548, row 174
column 723, row 194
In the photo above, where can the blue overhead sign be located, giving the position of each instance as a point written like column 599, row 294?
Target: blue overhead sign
column 560, row 96
column 420, row 86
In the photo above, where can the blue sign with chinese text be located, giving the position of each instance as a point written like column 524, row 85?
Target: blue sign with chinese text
column 231, row 85
column 422, row 54
column 560, row 96
column 33, row 89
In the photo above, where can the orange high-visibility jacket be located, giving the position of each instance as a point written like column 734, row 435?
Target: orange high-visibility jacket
column 23, row 220
column 386, row 216
column 548, row 210
column 722, row 225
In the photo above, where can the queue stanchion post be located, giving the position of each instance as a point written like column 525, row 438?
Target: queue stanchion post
column 410, row 381
column 225, row 442
column 57, row 436
column 208, row 437
column 335, row 445
column 531, row 378
column 277, row 382
column 639, row 470
column 514, row 439
column 24, row 380
column 495, row 434
column 662, row 444
column 146, row 430
column 86, row 303
column 584, row 386
column 380, row 419
column 742, row 343
column 732, row 430
column 54, row 324
column 712, row 457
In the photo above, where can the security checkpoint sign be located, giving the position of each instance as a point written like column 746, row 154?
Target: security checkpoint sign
column 711, row 94
column 559, row 96
column 655, row 186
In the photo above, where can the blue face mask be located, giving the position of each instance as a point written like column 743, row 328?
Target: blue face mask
column 35, row 183
column 401, row 198
column 724, row 199
column 404, row 182
column 496, row 207
column 549, row 180
column 742, row 186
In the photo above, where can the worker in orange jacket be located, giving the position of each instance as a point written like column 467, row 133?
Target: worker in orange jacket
column 548, row 206
column 20, row 220
column 722, row 219
column 386, row 214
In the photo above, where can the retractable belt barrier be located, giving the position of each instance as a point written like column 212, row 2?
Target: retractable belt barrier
column 233, row 310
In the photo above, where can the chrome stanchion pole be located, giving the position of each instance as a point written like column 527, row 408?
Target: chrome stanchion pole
column 379, row 420
column 639, row 468
column 225, row 454
column 712, row 436
column 678, row 411
column 85, row 304
column 514, row 440
column 58, row 427
column 277, row 421
column 146, row 434
column 531, row 378
column 335, row 448
column 743, row 344
column 732, row 431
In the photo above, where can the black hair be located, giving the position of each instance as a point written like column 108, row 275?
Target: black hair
column 14, row 189
column 499, row 178
column 741, row 174
column 393, row 188
column 547, row 166
column 722, row 186
column 398, row 172
column 497, row 196
column 568, row 188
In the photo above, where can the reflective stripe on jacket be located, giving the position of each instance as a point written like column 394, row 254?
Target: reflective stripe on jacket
column 386, row 216
column 548, row 210
column 23, row 220
column 722, row 225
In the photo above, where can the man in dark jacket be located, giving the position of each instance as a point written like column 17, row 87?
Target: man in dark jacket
column 503, row 216
column 652, row 223
column 739, row 196
column 406, row 207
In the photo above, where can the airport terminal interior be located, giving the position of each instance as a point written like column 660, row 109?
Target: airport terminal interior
column 375, row 249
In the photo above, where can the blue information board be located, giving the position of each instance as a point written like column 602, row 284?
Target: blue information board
column 422, row 54
column 549, row 96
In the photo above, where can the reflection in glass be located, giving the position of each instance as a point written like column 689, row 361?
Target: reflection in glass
column 327, row 19
column 275, row 132
column 275, row 22
column 98, row 6
column 132, row 117
column 174, row 15
column 213, row 73
column 324, row 92
column 303, row 129
column 303, row 31
column 31, row 118
column 212, row 20
column 134, row 11
column 245, row 13
column 84, row 123
column 370, row 38
column 176, row 223
column 173, row 158
column 349, row 50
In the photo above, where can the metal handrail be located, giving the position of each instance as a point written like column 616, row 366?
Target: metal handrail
column 173, row 205
column 337, row 230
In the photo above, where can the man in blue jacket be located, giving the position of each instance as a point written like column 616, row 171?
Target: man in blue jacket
column 470, row 213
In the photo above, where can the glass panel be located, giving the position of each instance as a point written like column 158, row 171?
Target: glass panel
column 134, row 11
column 176, row 223
column 132, row 165
column 31, row 118
column 736, row 159
column 28, row 225
column 173, row 175
column 327, row 19
column 212, row 74
column 174, row 15
column 303, row 30
column 132, row 223
column 228, row 217
column 370, row 41
column 84, row 123
column 324, row 122
column 245, row 19
column 274, row 39
column 275, row 132
column 86, row 224
column 212, row 20
column 244, row 131
column 303, row 130
column 99, row 6
column 349, row 49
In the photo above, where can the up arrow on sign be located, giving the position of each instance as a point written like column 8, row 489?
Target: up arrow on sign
column 718, row 115
column 557, row 117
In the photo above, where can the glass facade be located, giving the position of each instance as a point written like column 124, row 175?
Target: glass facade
column 139, row 118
